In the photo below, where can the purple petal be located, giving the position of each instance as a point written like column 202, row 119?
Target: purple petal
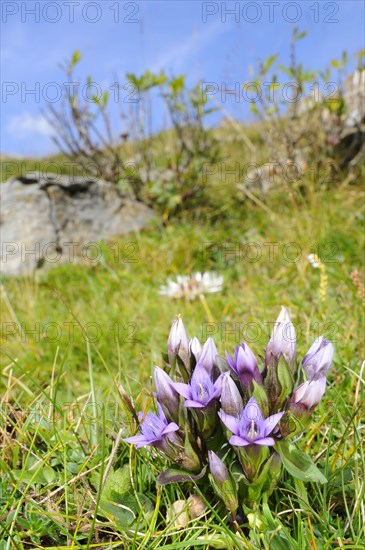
column 265, row 441
column 231, row 422
column 208, row 355
column 300, row 392
column 200, row 375
column 202, row 388
column 318, row 360
column 270, row 423
column 194, row 404
column 316, row 391
column 218, row 384
column 231, row 362
column 215, row 395
column 172, row 427
column 138, row 440
column 252, row 411
column 310, row 392
column 244, row 363
column 238, row 441
column 195, row 347
column 312, row 350
column 161, row 414
column 183, row 389
column 250, row 355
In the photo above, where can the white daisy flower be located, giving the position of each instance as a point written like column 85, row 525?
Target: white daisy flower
column 192, row 286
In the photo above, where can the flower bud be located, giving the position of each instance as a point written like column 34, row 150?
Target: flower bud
column 244, row 365
column 178, row 342
column 195, row 348
column 217, row 468
column 318, row 359
column 307, row 396
column 231, row 399
column 222, row 482
column 256, row 522
column 166, row 394
column 282, row 340
column 208, row 355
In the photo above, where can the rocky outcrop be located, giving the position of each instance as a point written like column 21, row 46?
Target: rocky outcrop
column 47, row 219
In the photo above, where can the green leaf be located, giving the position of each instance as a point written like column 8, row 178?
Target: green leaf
column 27, row 476
column 335, row 64
column 73, row 467
column 76, row 57
column 178, row 476
column 117, row 483
column 285, row 379
column 246, row 85
column 286, row 70
column 260, row 395
column 177, row 85
column 227, row 491
column 133, row 79
column 254, row 109
column 117, row 501
column 297, row 463
column 119, row 512
column 299, row 36
column 271, row 110
column 49, row 474
column 125, row 509
column 360, row 55
column 210, row 110
column 262, row 483
column 269, row 61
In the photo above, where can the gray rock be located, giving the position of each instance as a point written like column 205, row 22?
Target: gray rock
column 266, row 177
column 47, row 219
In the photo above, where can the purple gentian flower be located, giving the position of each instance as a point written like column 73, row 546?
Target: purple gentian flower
column 318, row 359
column 222, row 481
column 167, row 396
column 201, row 391
column 155, row 430
column 178, row 341
column 218, row 469
column 244, row 364
column 282, row 340
column 250, row 427
column 208, row 355
column 308, row 395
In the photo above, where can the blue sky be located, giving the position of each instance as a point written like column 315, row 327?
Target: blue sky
column 115, row 37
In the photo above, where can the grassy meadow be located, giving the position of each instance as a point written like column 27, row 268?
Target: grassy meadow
column 79, row 336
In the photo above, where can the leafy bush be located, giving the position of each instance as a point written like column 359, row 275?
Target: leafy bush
column 173, row 182
column 302, row 122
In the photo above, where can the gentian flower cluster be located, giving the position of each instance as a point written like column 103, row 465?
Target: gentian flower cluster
column 232, row 422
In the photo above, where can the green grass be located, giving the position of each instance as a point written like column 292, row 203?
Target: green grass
column 62, row 412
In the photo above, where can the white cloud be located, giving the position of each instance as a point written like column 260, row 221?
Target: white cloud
column 26, row 124
column 180, row 55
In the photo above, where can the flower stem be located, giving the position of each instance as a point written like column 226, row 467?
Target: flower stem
column 206, row 308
